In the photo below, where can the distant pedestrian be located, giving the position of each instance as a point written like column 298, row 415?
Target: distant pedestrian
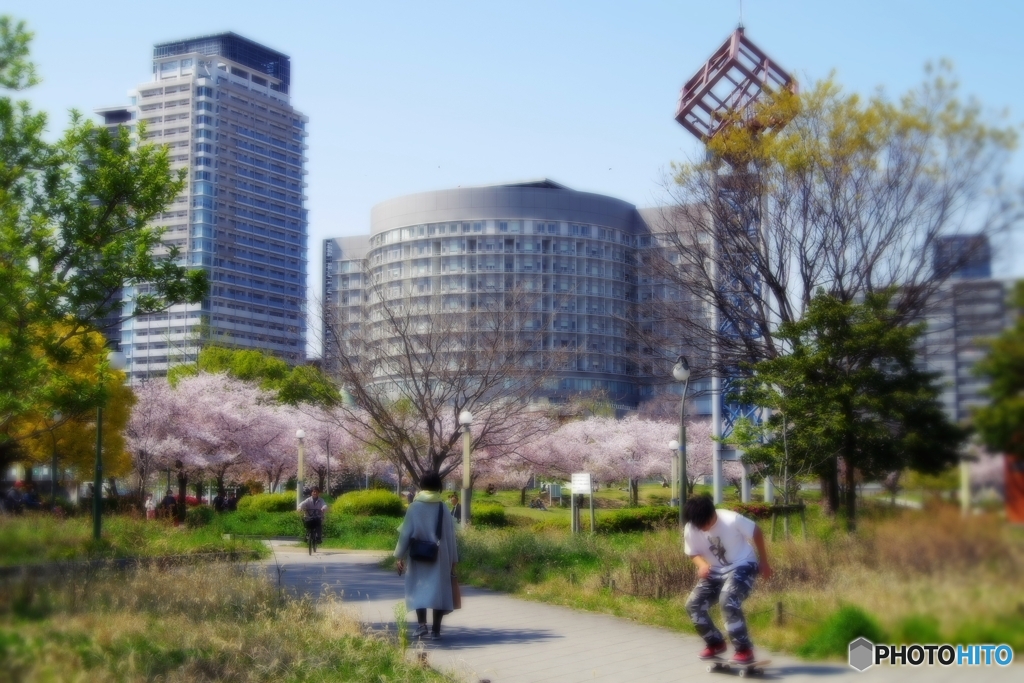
column 232, row 503
column 722, row 545
column 150, row 506
column 218, row 502
column 426, row 547
column 168, row 504
column 456, row 507
column 14, row 500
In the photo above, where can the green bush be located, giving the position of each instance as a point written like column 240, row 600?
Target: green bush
column 268, row 502
column 489, row 514
column 371, row 502
column 200, row 515
column 637, row 519
column 833, row 637
column 919, row 628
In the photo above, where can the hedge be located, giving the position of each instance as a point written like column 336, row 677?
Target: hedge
column 371, row 502
column 752, row 510
column 638, row 519
column 268, row 502
column 488, row 514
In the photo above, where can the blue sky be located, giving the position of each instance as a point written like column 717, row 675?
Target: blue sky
column 412, row 96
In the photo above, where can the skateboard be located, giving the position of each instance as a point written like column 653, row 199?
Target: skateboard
column 721, row 664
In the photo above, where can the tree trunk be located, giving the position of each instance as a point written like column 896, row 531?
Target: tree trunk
column 220, row 484
column 522, row 496
column 182, row 493
column 851, row 499
column 634, row 491
column 199, row 490
column 830, row 486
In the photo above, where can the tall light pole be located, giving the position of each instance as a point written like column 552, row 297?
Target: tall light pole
column 115, row 360
column 681, row 373
column 466, row 419
column 301, row 436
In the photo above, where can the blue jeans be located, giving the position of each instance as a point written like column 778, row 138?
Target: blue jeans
column 732, row 588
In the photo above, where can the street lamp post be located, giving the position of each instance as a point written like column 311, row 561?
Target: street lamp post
column 681, row 373
column 301, row 436
column 115, row 360
column 466, row 419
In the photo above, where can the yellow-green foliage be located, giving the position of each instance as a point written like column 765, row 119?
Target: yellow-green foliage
column 489, row 514
column 371, row 502
column 268, row 502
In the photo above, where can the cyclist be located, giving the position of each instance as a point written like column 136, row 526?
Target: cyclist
column 313, row 509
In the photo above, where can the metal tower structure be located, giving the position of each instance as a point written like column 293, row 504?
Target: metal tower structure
column 723, row 93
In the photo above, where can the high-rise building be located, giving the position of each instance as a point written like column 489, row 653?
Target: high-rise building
column 572, row 253
column 966, row 309
column 221, row 104
column 344, row 293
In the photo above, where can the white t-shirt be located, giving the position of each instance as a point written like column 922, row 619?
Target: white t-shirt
column 313, row 509
column 726, row 545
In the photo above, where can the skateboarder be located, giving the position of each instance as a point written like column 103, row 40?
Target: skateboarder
column 721, row 543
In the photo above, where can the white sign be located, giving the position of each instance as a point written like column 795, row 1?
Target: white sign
column 581, row 484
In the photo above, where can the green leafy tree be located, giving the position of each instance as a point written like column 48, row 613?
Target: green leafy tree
column 1001, row 423
column 849, row 398
column 74, row 227
column 301, row 384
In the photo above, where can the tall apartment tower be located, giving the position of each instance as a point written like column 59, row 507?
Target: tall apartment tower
column 344, row 293
column 221, row 104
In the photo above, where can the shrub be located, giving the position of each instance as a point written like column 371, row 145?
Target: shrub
column 637, row 519
column 489, row 515
column 833, row 637
column 268, row 502
column 200, row 515
column 371, row 502
column 752, row 510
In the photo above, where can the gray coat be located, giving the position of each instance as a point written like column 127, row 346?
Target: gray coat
column 428, row 584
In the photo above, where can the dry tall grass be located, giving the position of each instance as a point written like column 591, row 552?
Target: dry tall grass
column 929, row 573
column 203, row 623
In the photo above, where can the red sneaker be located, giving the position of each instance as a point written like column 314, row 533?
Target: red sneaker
column 744, row 657
column 712, row 651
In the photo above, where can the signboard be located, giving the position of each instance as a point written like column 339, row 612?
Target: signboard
column 581, row 484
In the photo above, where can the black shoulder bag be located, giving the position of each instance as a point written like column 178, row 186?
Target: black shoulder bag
column 426, row 551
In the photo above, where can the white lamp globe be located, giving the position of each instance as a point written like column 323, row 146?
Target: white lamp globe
column 300, row 434
column 673, row 445
column 681, row 370
column 465, row 418
column 116, row 360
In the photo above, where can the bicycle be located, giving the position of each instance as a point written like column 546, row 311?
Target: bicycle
column 313, row 538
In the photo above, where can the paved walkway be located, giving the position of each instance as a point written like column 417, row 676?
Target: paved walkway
column 502, row 639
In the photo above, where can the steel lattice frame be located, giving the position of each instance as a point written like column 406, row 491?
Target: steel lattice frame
column 723, row 92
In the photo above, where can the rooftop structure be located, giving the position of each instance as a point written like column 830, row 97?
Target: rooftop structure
column 731, row 81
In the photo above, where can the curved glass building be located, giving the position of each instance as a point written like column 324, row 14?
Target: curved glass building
column 570, row 255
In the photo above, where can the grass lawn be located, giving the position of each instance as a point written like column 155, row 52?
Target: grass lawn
column 40, row 537
column 905, row 570
column 207, row 623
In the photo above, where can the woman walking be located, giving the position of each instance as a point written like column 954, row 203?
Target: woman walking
column 428, row 531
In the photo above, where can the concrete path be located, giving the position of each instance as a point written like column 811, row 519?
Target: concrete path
column 503, row 639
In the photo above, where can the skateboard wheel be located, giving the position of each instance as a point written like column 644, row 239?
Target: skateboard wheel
column 711, row 668
column 743, row 673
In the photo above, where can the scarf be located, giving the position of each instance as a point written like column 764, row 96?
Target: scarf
column 424, row 497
